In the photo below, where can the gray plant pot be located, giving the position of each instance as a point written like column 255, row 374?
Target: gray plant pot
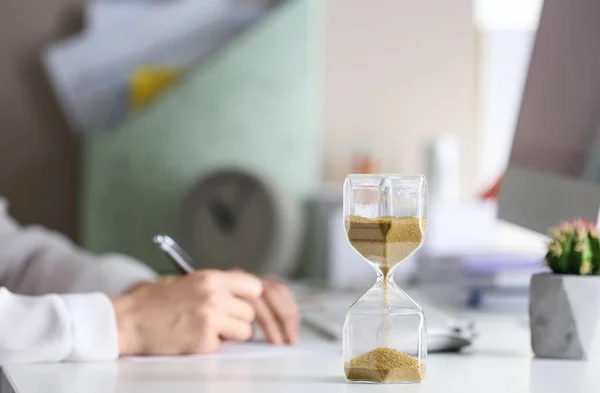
column 564, row 312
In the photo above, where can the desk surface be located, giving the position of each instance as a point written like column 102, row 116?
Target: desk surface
column 500, row 361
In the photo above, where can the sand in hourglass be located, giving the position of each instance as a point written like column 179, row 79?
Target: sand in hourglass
column 385, row 241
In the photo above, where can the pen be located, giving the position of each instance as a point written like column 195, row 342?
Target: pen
column 181, row 260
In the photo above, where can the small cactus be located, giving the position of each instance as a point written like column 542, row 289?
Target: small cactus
column 574, row 248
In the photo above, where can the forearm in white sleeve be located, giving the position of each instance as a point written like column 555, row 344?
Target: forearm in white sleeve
column 36, row 261
column 55, row 328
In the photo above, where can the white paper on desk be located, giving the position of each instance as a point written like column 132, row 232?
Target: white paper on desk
column 90, row 72
column 249, row 350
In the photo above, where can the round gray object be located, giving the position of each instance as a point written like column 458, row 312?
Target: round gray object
column 230, row 218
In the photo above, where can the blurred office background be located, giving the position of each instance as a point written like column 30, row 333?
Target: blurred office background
column 232, row 124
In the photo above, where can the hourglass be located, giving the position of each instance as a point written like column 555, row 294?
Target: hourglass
column 385, row 334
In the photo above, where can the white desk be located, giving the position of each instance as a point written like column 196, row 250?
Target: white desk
column 500, row 362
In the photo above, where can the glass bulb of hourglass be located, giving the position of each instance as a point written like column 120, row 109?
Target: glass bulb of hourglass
column 385, row 331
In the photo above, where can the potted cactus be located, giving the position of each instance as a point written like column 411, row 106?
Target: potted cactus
column 564, row 306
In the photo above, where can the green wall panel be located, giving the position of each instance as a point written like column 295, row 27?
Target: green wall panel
column 252, row 106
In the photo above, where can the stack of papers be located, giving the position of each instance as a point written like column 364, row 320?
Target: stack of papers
column 96, row 75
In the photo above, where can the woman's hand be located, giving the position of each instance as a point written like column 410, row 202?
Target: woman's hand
column 191, row 314
column 276, row 311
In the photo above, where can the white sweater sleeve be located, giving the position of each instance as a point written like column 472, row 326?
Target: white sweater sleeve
column 54, row 328
column 54, row 304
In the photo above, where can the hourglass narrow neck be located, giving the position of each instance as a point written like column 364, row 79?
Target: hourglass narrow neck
column 384, row 273
column 388, row 291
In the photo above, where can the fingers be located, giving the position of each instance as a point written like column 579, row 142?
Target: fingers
column 266, row 320
column 233, row 329
column 239, row 309
column 240, row 298
column 284, row 308
column 243, row 284
column 236, row 282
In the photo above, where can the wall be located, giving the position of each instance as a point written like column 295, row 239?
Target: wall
column 37, row 154
column 400, row 72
